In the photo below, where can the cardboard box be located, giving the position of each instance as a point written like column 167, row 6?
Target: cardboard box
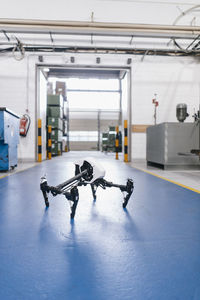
column 56, row 100
column 61, row 88
column 56, row 135
column 55, row 111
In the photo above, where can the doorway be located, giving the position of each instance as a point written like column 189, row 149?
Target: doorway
column 98, row 100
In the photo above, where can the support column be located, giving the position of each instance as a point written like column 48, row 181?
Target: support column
column 125, row 141
column 49, row 142
column 39, row 140
column 117, row 142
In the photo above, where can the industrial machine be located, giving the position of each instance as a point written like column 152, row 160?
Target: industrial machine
column 181, row 112
column 196, row 117
column 169, row 145
column 175, row 145
column 87, row 171
column 9, row 139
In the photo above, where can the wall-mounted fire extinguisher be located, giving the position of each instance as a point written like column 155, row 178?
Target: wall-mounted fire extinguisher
column 25, row 122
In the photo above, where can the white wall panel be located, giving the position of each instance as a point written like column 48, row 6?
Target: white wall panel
column 15, row 78
column 138, row 142
column 116, row 11
column 174, row 80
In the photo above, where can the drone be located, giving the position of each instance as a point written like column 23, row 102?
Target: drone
column 87, row 171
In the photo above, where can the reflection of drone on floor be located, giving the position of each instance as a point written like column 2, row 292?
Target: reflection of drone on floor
column 86, row 172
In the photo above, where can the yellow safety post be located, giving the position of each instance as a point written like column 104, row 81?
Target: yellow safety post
column 125, row 141
column 49, row 142
column 117, row 142
column 39, row 140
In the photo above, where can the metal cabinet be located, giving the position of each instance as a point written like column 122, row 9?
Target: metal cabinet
column 170, row 145
column 9, row 139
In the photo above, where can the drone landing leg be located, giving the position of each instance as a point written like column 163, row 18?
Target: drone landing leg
column 94, row 189
column 44, row 189
column 128, row 188
column 73, row 196
column 45, row 198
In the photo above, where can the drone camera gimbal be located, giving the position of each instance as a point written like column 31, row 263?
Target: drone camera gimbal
column 86, row 172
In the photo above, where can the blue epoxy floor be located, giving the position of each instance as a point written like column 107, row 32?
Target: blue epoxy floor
column 149, row 251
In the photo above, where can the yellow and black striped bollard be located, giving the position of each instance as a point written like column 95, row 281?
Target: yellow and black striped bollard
column 117, row 143
column 39, row 140
column 49, row 142
column 125, row 141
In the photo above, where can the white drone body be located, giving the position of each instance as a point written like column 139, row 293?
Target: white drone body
column 87, row 171
column 98, row 170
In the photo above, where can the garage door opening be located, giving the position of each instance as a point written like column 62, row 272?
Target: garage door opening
column 94, row 106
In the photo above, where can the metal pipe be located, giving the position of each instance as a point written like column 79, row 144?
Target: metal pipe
column 96, row 27
column 137, row 34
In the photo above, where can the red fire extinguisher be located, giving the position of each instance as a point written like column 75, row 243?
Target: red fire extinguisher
column 24, row 125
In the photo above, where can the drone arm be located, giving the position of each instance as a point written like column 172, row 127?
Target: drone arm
column 59, row 189
column 72, row 196
column 71, row 180
column 128, row 188
column 45, row 188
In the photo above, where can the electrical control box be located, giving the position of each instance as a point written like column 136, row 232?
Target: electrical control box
column 9, row 139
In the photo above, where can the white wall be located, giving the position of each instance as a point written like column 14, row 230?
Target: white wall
column 17, row 82
column 127, row 11
column 174, row 80
column 18, row 89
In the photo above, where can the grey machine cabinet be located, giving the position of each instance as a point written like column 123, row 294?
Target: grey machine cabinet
column 170, row 145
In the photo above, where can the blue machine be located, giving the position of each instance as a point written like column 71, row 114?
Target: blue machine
column 9, row 139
